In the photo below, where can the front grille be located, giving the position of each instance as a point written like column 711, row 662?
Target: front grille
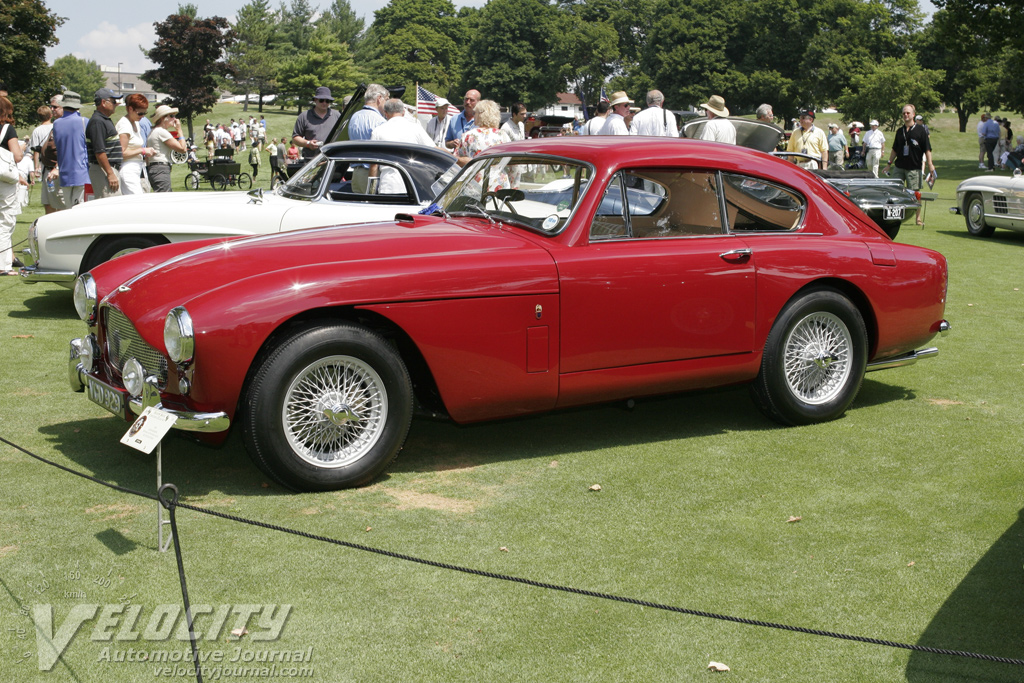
column 123, row 342
column 999, row 204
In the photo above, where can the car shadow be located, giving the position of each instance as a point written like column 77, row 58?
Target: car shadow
column 55, row 304
column 999, row 236
column 982, row 615
column 433, row 445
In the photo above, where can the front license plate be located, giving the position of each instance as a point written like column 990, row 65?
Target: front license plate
column 104, row 395
column 893, row 213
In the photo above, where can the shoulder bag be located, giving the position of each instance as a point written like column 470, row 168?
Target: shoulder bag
column 8, row 169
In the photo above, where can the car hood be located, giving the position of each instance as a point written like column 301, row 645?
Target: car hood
column 171, row 208
column 424, row 258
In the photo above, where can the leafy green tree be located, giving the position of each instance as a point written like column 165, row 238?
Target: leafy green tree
column 189, row 53
column 416, row 40
column 509, row 58
column 586, row 45
column 252, row 61
column 341, row 21
column 80, row 75
column 327, row 62
column 882, row 92
column 297, row 25
column 27, row 28
column 971, row 70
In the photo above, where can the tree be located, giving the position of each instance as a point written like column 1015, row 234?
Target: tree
column 971, row 70
column 250, row 56
column 327, row 62
column 341, row 21
column 586, row 45
column 27, row 28
column 189, row 52
column 80, row 75
column 508, row 59
column 416, row 40
column 881, row 92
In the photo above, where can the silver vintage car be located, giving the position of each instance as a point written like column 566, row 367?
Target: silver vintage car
column 988, row 202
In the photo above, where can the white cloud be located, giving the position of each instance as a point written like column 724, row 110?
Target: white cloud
column 109, row 44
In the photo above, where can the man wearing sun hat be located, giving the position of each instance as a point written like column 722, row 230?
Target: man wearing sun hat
column 718, row 128
column 72, row 171
column 615, row 124
column 313, row 126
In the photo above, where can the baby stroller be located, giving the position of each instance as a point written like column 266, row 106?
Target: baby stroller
column 856, row 160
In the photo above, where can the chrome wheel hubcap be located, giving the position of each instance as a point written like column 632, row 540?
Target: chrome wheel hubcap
column 818, row 354
column 334, row 411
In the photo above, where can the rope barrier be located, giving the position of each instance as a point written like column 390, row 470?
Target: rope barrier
column 173, row 503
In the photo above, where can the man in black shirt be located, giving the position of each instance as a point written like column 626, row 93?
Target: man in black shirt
column 912, row 150
column 104, row 146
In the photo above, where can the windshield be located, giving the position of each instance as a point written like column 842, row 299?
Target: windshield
column 534, row 192
column 306, row 183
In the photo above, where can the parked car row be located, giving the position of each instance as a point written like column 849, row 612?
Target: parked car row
column 547, row 274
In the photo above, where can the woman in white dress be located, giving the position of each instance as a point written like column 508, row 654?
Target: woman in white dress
column 133, row 146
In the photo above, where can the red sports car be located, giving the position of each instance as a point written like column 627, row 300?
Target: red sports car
column 549, row 273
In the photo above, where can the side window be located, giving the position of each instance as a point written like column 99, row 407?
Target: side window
column 659, row 203
column 754, row 205
column 375, row 183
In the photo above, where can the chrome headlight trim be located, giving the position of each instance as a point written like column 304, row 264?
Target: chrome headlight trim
column 90, row 351
column 179, row 338
column 133, row 375
column 85, row 298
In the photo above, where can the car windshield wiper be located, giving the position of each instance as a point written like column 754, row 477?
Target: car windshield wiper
column 476, row 210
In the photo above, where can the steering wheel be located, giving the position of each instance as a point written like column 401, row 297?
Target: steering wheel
column 505, row 197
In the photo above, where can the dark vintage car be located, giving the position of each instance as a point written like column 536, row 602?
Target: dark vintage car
column 550, row 273
column 885, row 200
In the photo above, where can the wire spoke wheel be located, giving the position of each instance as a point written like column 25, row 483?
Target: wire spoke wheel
column 817, row 358
column 334, row 411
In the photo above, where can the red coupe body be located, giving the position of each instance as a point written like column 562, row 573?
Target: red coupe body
column 496, row 316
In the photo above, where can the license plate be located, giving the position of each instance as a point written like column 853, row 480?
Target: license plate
column 893, row 213
column 104, row 395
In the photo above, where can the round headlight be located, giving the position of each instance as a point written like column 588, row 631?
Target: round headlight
column 85, row 298
column 133, row 375
column 178, row 336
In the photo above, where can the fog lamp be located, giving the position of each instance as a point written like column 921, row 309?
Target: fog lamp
column 89, row 352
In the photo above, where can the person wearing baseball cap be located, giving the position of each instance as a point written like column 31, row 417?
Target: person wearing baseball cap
column 838, row 149
column 437, row 126
column 615, row 124
column 718, row 128
column 809, row 139
column 104, row 146
column 874, row 143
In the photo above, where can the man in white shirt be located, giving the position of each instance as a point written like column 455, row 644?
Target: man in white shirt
column 595, row 123
column 615, row 124
column 874, row 142
column 437, row 127
column 655, row 120
column 513, row 128
column 718, row 128
column 397, row 128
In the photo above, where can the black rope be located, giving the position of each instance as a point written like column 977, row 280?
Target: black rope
column 515, row 579
column 170, row 505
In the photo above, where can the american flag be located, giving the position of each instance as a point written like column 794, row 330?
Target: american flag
column 604, row 95
column 425, row 102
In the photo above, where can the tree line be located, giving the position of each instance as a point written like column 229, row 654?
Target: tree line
column 867, row 57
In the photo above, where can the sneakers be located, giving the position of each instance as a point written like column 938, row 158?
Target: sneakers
column 982, row 167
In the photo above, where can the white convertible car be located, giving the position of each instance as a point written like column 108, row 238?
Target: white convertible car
column 988, row 202
column 66, row 243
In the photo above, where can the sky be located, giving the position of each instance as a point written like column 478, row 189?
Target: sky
column 129, row 24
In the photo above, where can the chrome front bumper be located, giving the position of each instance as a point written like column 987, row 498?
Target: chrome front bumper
column 909, row 358
column 188, row 421
column 33, row 274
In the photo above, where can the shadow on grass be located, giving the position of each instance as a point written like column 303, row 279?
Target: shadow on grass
column 1000, row 236
column 982, row 615
column 434, row 446
column 55, row 303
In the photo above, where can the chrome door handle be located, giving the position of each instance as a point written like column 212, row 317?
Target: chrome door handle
column 736, row 255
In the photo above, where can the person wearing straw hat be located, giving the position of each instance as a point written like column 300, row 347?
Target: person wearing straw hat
column 615, row 124
column 718, row 128
column 164, row 142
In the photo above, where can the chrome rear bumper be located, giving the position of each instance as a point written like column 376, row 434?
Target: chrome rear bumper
column 909, row 358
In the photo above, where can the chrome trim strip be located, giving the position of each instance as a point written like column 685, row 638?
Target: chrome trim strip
column 32, row 274
column 900, row 361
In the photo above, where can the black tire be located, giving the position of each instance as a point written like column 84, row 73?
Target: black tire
column 349, row 399
column 814, row 360
column 974, row 216
column 244, row 181
column 192, row 181
column 108, row 248
column 218, row 182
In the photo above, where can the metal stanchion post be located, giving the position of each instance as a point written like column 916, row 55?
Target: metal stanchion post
column 160, row 521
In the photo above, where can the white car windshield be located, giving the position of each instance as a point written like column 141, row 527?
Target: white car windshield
column 539, row 193
column 306, row 183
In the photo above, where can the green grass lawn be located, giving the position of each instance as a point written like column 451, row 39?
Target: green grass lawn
column 910, row 524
